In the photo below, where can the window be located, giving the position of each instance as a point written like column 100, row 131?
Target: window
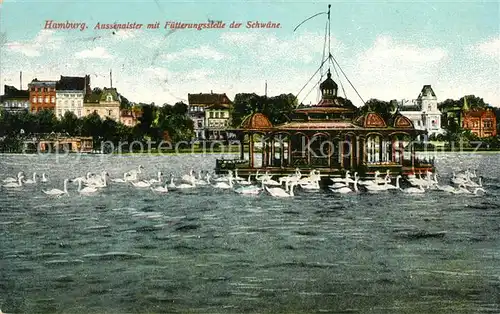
column 217, row 115
column 47, row 99
column 66, row 102
column 211, row 114
column 53, row 99
column 72, row 104
column 79, row 113
column 40, row 99
column 110, row 112
column 109, row 97
column 34, row 100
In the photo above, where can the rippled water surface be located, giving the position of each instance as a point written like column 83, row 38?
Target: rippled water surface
column 128, row 250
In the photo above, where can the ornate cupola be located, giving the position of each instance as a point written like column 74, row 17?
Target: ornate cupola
column 328, row 87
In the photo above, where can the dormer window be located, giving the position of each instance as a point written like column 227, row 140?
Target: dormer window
column 109, row 97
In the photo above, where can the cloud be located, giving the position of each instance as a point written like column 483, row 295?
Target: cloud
column 96, row 53
column 489, row 48
column 44, row 40
column 126, row 34
column 204, row 52
column 392, row 70
column 267, row 47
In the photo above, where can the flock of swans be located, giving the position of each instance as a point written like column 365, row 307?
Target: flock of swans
column 90, row 184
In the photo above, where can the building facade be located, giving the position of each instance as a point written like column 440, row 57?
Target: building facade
column 42, row 95
column 130, row 117
column 197, row 104
column 216, row 121
column 70, row 92
column 480, row 121
column 14, row 100
column 423, row 111
column 106, row 103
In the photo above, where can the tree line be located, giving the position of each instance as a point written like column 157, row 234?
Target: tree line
column 154, row 124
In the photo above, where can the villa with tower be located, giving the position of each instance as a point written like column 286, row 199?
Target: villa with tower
column 423, row 112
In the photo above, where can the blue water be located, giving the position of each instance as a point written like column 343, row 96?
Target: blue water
column 128, row 250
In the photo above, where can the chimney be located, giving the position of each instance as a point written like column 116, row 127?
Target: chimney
column 211, row 92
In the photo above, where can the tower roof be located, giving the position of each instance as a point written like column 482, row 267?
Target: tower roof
column 427, row 92
column 329, row 83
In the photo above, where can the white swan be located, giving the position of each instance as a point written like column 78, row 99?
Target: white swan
column 31, row 181
column 200, row 180
column 236, row 177
column 57, row 192
column 279, row 192
column 157, row 180
column 346, row 189
column 337, row 185
column 134, row 173
column 120, row 180
column 249, row 189
column 291, row 177
column 389, row 186
column 189, row 177
column 44, row 178
column 160, row 189
column 187, row 186
column 224, row 185
column 171, row 185
column 462, row 189
column 342, row 180
column 85, row 190
column 376, row 180
column 99, row 182
column 413, row 190
column 141, row 184
column 17, row 184
column 9, row 180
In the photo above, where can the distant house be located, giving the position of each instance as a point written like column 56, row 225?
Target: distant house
column 105, row 103
column 130, row 117
column 423, row 111
column 15, row 100
column 42, row 95
column 70, row 92
column 217, row 104
column 480, row 121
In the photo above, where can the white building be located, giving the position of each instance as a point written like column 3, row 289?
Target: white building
column 423, row 111
column 70, row 93
column 198, row 103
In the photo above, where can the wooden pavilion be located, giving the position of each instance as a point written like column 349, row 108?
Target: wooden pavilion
column 332, row 137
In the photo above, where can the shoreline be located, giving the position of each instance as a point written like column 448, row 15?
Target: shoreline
column 232, row 152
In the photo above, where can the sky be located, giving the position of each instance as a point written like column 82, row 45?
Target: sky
column 387, row 49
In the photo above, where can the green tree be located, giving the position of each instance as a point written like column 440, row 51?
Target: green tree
column 91, row 126
column 384, row 108
column 46, row 121
column 70, row 124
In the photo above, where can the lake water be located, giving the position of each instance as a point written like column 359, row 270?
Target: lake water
column 128, row 250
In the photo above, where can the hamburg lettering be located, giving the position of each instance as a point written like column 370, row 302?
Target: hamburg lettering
column 50, row 24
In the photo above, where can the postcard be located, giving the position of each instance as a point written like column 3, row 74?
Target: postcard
column 249, row 156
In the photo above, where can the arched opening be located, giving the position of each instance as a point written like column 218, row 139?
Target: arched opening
column 299, row 153
column 320, row 150
column 280, row 150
